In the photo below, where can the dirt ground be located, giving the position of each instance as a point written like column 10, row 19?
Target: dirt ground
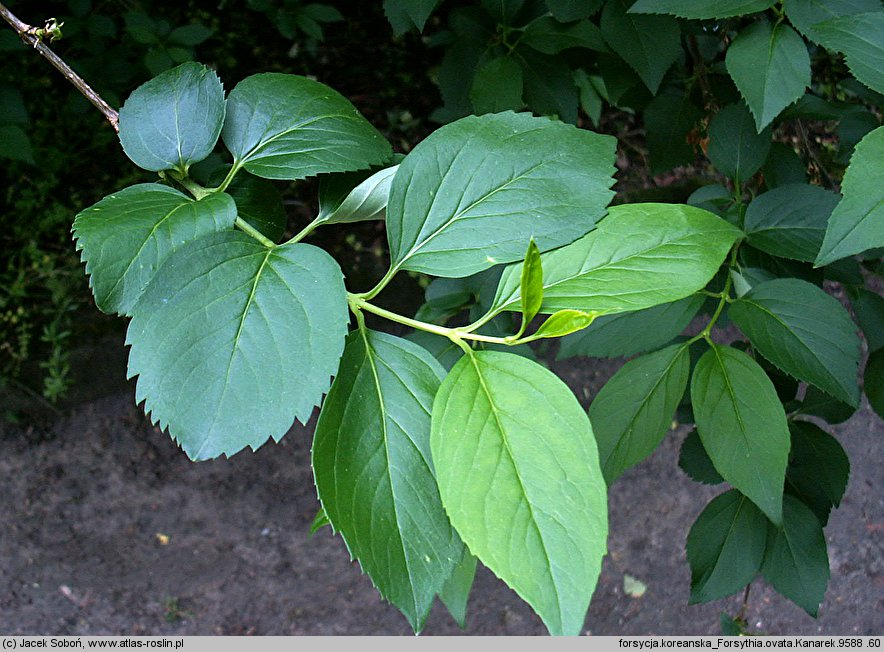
column 106, row 528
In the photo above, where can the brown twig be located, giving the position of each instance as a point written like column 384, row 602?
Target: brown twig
column 32, row 36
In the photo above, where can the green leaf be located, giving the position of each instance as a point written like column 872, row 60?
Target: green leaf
column 790, row 221
column 497, row 86
column 742, row 425
column 563, row 322
column 531, row 285
column 628, row 333
column 803, row 331
column 650, row 44
column 819, row 404
column 174, row 119
column 590, row 100
column 701, row 9
column 869, row 309
column 633, row 411
column 405, row 14
column 731, row 626
column 857, row 223
column 319, row 522
column 549, row 84
column 669, row 119
column 796, row 562
column 15, row 144
column 694, row 460
column 874, row 381
column 189, row 35
column 771, row 68
column 456, row 592
column 476, row 191
column 441, row 348
column 804, row 14
column 735, row 148
column 725, row 547
column 127, row 236
column 860, row 37
column 282, row 126
column 518, row 472
column 258, row 202
column 818, row 469
column 783, row 166
column 374, row 475
column 851, row 129
column 568, row 10
column 549, row 36
column 232, row 341
column 366, row 201
column 641, row 255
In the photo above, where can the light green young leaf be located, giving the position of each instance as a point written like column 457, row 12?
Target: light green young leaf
column 735, row 148
column 742, row 426
column 456, row 592
column 319, row 522
column 517, row 468
column 474, row 192
column 564, row 322
column 650, row 44
column 701, row 9
column 725, row 547
column 790, row 220
column 497, row 86
column 640, row 256
column 633, row 411
column 803, row 331
column 818, row 469
column 796, row 562
column 232, row 341
column 126, row 236
column 804, row 14
column 628, row 333
column 771, row 68
column 174, row 119
column 860, row 37
column 531, row 285
column 549, row 36
column 374, row 475
column 367, row 201
column 857, row 223
column 282, row 126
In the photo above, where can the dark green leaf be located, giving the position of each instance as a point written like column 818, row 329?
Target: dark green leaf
column 549, row 85
column 590, row 100
column 694, row 460
column 12, row 106
column 857, row 223
column 289, row 127
column 860, row 37
column 628, row 333
column 731, row 626
column 548, row 35
column 803, row 331
column 796, row 562
column 568, row 10
column 804, row 14
column 669, row 119
column 174, row 119
column 365, row 201
column 714, row 198
column 405, row 14
column 701, row 9
column 650, row 44
column 475, row 192
column 818, row 469
column 874, row 381
column 725, row 547
column 819, row 404
column 189, row 35
column 790, row 221
column 783, row 166
column 127, row 236
column 497, row 86
column 869, row 309
column 518, row 472
column 441, row 348
column 852, row 128
column 456, row 591
column 742, row 425
column 771, row 68
column 371, row 459
column 15, row 144
column 641, row 255
column 633, row 411
column 232, row 341
column 258, row 202
column 735, row 148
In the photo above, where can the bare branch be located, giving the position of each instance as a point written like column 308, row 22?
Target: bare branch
column 33, row 36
